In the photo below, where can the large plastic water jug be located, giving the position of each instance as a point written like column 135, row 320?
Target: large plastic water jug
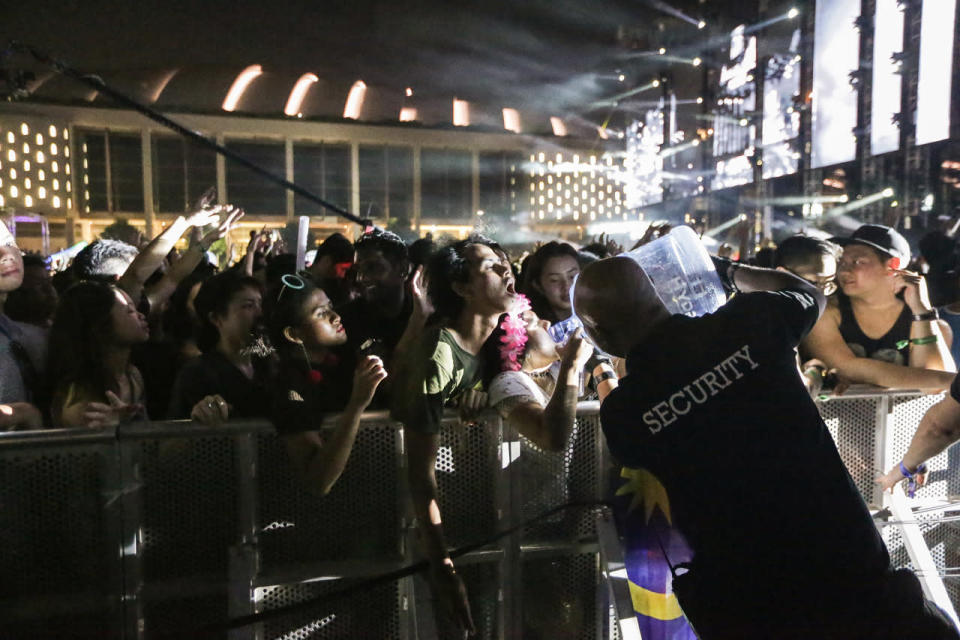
column 681, row 271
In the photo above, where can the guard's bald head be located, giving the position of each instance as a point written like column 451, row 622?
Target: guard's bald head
column 617, row 303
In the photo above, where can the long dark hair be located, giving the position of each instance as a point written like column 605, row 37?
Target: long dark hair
column 449, row 266
column 214, row 298
column 80, row 338
column 530, row 285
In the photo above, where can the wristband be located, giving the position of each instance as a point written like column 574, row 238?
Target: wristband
column 901, row 344
column 912, row 482
column 926, row 316
column 817, row 371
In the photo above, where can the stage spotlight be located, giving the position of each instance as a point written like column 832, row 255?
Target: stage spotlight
column 793, row 13
column 696, row 62
column 701, row 24
column 661, row 51
column 886, row 193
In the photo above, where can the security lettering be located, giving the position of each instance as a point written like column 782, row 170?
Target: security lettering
column 706, row 386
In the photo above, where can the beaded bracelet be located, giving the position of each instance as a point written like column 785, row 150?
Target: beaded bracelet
column 912, row 482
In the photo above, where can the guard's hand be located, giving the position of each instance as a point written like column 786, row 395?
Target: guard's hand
column 450, row 596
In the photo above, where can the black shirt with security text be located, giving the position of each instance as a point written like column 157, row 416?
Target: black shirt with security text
column 714, row 408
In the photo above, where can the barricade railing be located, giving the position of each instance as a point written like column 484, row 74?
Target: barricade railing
column 152, row 530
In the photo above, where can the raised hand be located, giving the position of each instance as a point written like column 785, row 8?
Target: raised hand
column 417, row 287
column 231, row 217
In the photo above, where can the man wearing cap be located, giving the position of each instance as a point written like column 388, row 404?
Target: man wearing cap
column 871, row 334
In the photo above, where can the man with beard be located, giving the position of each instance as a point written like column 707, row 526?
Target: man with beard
column 470, row 285
column 379, row 316
column 231, row 378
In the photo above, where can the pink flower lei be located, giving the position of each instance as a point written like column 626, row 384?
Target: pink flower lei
column 514, row 336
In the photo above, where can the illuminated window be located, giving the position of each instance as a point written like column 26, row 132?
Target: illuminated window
column 53, row 148
column 41, row 175
column 52, row 131
column 39, row 138
column 24, row 129
column 27, row 184
column 56, row 185
column 14, row 192
column 41, row 193
column 28, row 201
column 56, row 202
column 11, row 155
column 41, row 157
column 55, row 167
column 13, row 173
column 26, row 148
column 10, row 137
column 26, row 165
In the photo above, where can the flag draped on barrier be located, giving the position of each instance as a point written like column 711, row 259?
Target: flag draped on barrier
column 646, row 532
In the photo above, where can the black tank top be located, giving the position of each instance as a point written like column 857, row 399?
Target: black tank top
column 882, row 348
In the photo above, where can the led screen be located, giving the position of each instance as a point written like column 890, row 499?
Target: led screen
column 936, row 66
column 887, row 40
column 836, row 49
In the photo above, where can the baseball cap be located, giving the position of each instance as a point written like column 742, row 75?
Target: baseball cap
column 882, row 238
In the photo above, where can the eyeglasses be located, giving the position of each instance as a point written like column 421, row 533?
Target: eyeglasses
column 292, row 281
column 826, row 285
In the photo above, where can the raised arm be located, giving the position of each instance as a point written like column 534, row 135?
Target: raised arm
column 151, row 257
column 320, row 463
column 929, row 348
column 194, row 254
column 550, row 427
column 747, row 279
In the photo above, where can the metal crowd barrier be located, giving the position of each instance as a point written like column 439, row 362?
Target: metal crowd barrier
column 153, row 530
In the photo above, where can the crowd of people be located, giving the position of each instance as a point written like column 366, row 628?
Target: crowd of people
column 146, row 331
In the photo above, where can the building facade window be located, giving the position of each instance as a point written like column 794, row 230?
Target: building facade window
column 386, row 184
column 250, row 190
column 501, row 175
column 446, row 184
column 182, row 172
column 111, row 176
column 323, row 169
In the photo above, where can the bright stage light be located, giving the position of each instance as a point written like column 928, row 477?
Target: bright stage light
column 354, row 104
column 696, row 62
column 793, row 13
column 661, row 51
column 298, row 93
column 240, row 85
column 886, row 193
column 701, row 24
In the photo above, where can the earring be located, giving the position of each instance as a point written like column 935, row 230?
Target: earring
column 314, row 375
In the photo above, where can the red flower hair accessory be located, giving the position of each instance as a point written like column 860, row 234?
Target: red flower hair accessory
column 514, row 336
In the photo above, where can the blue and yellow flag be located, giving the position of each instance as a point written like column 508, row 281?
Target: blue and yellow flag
column 643, row 517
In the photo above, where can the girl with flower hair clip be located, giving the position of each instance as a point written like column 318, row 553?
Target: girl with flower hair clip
column 518, row 360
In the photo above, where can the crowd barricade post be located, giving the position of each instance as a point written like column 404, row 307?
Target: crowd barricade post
column 150, row 529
